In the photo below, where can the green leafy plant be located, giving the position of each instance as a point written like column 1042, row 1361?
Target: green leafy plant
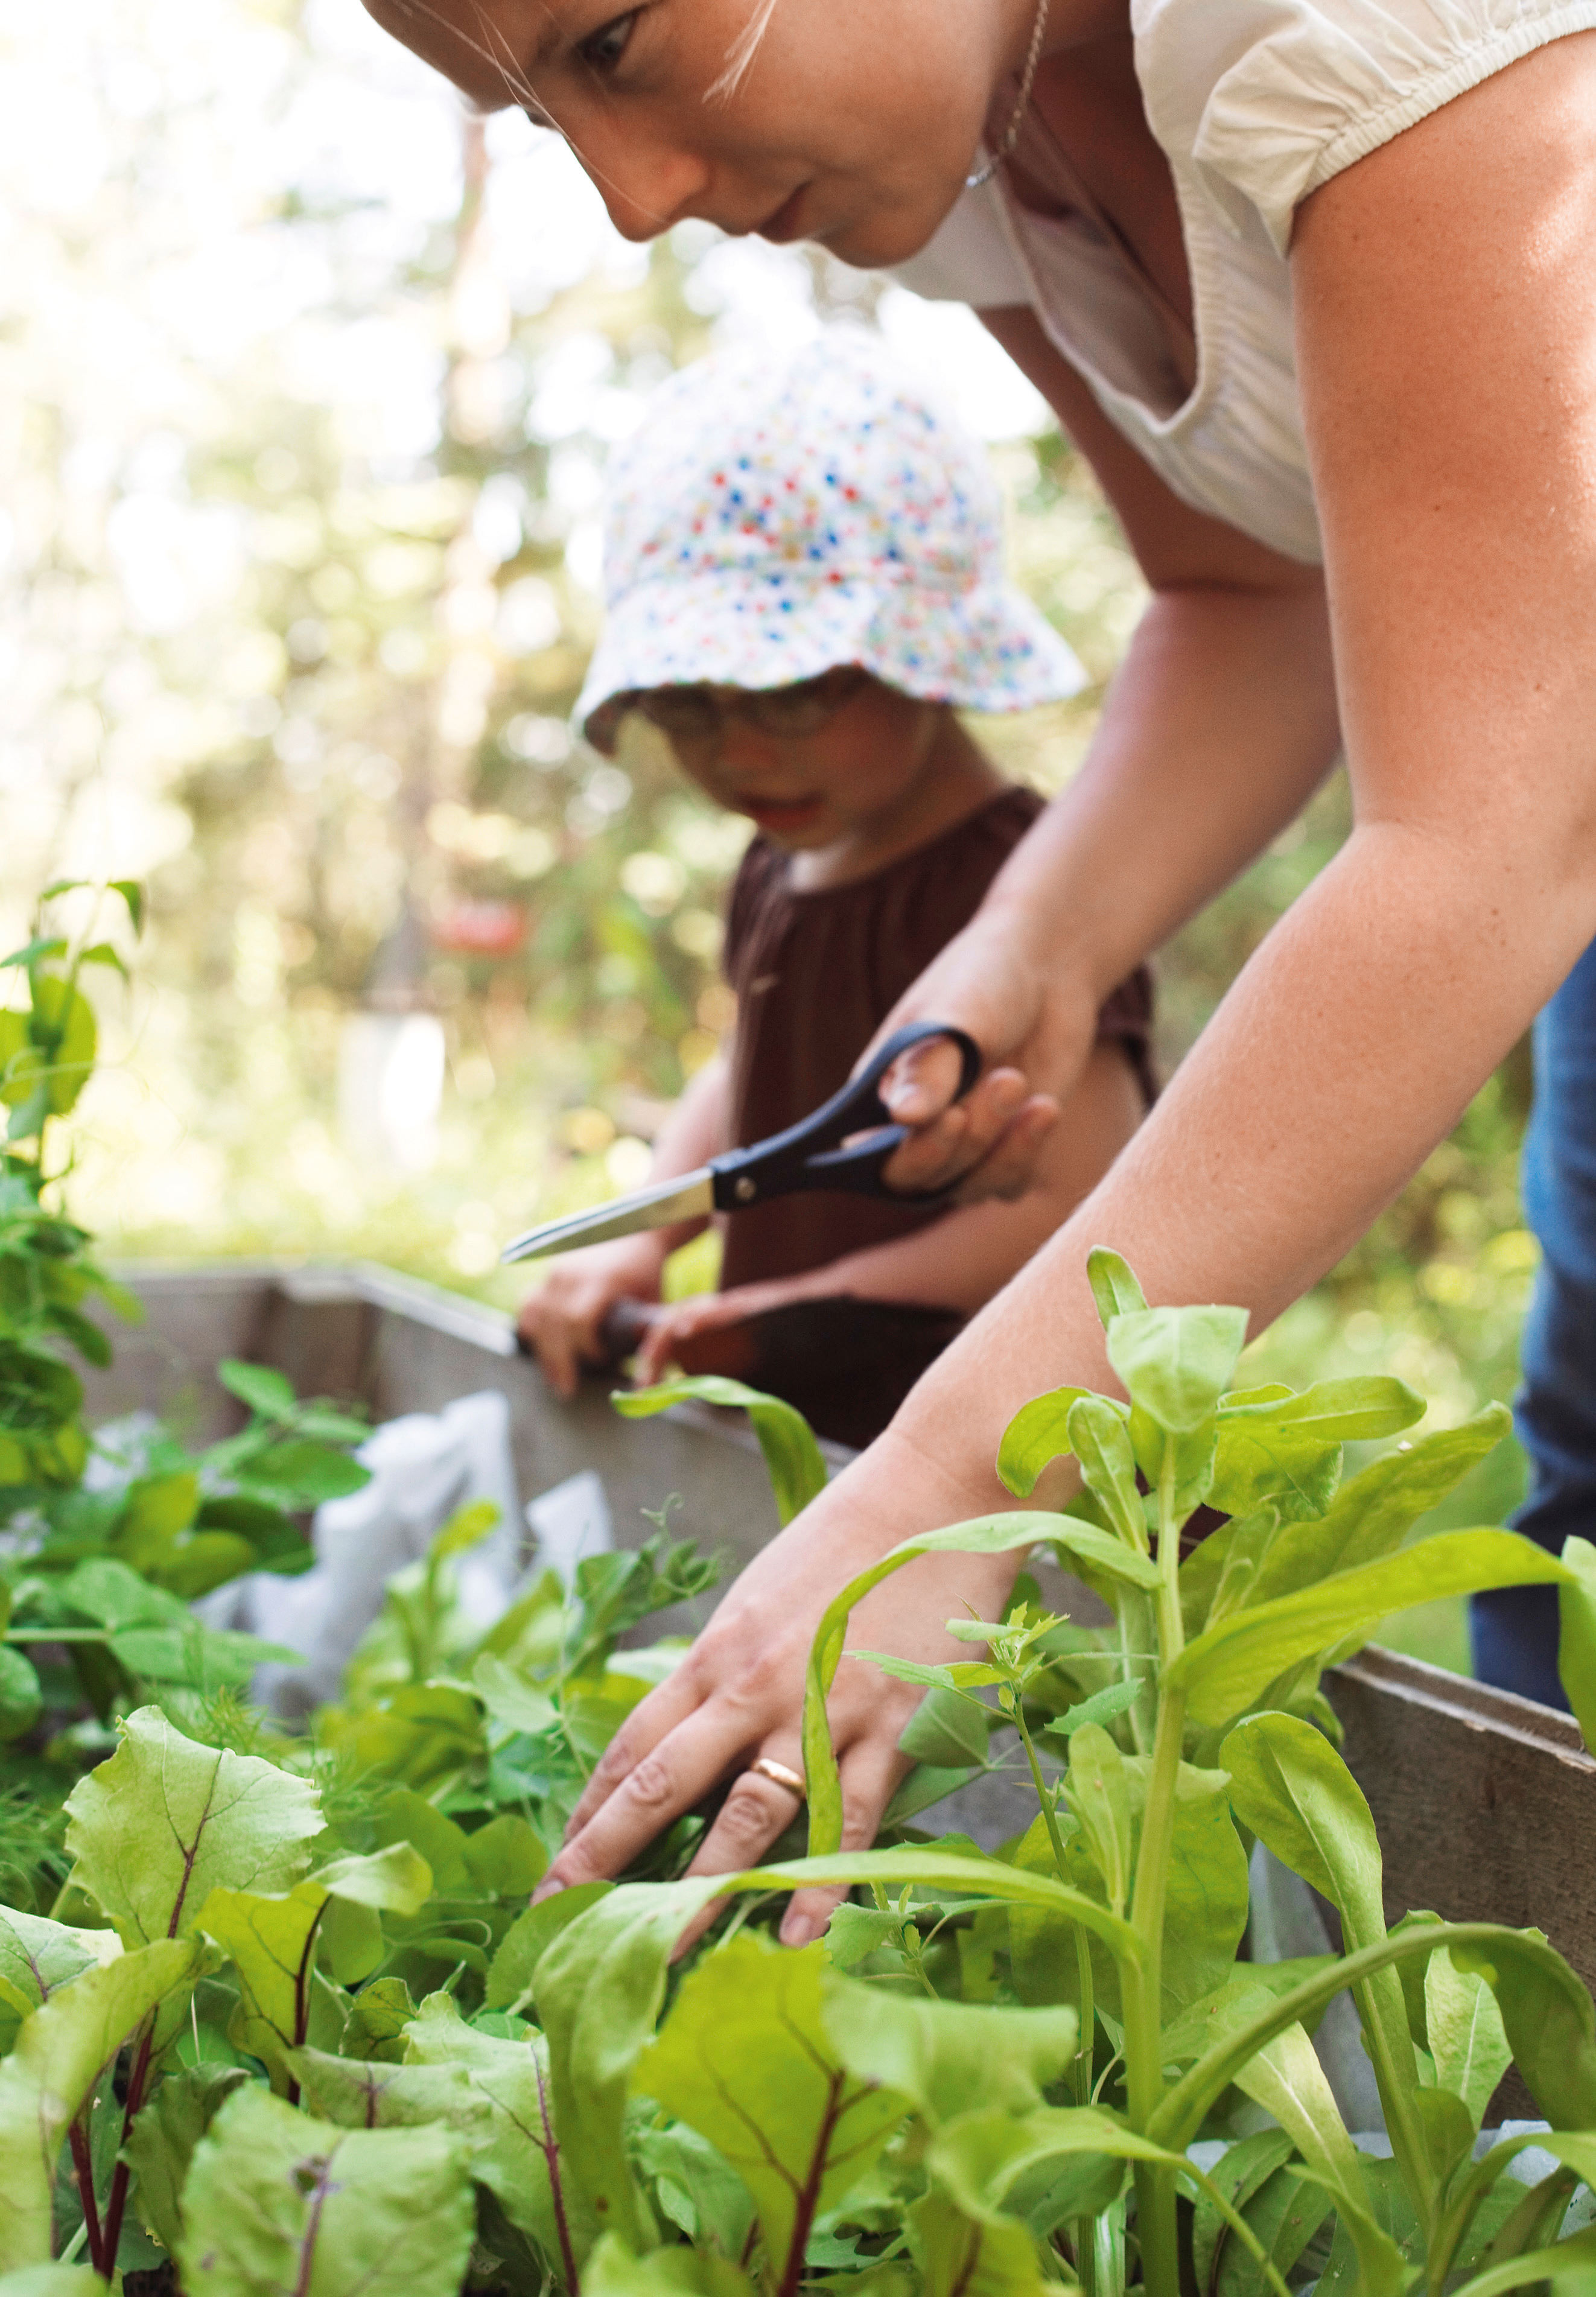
column 792, row 1459
column 103, row 1544
column 291, row 2025
column 95, row 1595
column 47, row 1047
column 268, row 1912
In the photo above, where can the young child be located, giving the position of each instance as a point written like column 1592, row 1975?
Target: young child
column 804, row 582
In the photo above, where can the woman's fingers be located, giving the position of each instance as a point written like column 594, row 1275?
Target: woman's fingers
column 757, row 1812
column 870, row 1771
column 741, row 1689
column 671, row 1778
column 1035, row 1024
column 650, row 1722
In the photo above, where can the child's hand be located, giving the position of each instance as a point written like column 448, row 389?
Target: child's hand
column 1036, row 1023
column 562, row 1322
column 708, row 1311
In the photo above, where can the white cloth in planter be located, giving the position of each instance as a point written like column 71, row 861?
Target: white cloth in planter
column 569, row 1522
column 425, row 1466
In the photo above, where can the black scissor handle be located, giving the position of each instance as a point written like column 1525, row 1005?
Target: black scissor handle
column 808, row 1155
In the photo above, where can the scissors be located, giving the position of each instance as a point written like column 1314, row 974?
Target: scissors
column 808, row 1155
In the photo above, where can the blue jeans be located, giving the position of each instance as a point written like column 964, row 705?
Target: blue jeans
column 1516, row 1628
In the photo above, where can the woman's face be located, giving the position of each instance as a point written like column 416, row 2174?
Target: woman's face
column 851, row 125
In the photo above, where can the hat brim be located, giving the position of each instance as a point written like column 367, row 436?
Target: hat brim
column 985, row 648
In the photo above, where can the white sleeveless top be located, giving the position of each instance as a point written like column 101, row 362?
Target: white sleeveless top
column 1257, row 102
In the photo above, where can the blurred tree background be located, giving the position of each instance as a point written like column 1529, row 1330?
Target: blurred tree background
column 307, row 385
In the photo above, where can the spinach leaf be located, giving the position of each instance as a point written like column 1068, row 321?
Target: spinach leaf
column 1228, row 1666
column 1576, row 1653
column 163, row 2138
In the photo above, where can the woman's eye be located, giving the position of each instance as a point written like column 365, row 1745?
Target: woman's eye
column 605, row 48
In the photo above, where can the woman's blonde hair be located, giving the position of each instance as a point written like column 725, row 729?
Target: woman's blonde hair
column 743, row 51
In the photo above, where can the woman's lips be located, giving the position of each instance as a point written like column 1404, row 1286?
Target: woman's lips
column 783, row 224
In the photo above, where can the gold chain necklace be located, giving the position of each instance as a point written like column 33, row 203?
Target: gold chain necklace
column 1011, row 134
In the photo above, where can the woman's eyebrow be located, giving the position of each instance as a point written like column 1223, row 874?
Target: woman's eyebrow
column 550, row 41
column 499, row 53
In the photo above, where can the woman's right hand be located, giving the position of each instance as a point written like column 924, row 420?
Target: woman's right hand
column 562, row 1322
column 738, row 1693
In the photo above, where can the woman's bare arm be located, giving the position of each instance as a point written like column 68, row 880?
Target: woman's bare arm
column 1219, row 725
column 1446, row 297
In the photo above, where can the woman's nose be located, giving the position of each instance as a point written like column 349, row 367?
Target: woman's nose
column 647, row 184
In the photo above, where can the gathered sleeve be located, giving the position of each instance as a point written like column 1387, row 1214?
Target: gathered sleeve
column 1290, row 91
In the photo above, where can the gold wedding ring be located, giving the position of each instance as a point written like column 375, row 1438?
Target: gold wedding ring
column 779, row 1774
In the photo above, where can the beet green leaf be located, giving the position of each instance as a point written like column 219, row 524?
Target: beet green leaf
column 747, row 2059
column 60, row 2054
column 166, row 1821
column 274, row 2200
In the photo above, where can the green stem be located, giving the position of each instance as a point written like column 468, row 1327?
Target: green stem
column 1143, row 1985
column 1135, row 1618
column 1172, row 1626
column 1088, row 2051
column 56, row 1635
column 1085, row 2228
column 1466, row 2197
column 1243, row 2231
column 1386, row 2035
column 1043, row 1795
column 1108, row 2262
column 1086, row 2255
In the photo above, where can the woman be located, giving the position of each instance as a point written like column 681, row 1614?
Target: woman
column 1313, row 282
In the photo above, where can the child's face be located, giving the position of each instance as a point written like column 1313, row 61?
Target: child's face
column 810, row 791
column 851, row 127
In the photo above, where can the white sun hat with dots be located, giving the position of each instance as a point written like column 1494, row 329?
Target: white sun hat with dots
column 778, row 514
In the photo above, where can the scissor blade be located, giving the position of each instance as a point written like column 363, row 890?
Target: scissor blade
column 685, row 1198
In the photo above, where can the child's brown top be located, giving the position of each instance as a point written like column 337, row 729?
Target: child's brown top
column 816, row 974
